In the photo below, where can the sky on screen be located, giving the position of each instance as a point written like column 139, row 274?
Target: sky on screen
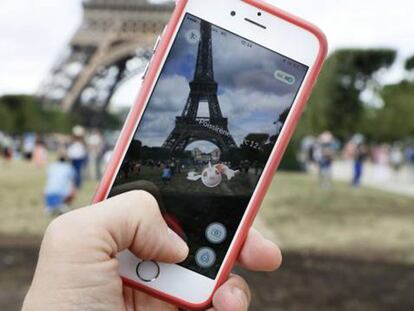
column 249, row 95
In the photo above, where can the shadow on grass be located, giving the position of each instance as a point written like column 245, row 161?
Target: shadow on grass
column 305, row 282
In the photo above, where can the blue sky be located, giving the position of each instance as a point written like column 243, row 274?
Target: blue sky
column 249, row 95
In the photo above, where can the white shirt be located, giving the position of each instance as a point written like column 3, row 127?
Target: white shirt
column 60, row 178
column 77, row 151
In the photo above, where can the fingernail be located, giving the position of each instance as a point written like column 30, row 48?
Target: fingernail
column 241, row 296
column 179, row 242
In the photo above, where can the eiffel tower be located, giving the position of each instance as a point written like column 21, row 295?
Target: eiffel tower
column 203, row 90
column 112, row 45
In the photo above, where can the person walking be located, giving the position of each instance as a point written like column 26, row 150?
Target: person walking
column 95, row 144
column 359, row 158
column 409, row 155
column 28, row 146
column 166, row 174
column 77, row 154
column 40, row 154
column 326, row 151
column 396, row 157
column 7, row 148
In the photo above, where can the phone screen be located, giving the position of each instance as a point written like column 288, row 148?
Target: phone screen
column 206, row 135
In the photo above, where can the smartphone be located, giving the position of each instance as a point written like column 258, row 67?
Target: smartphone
column 219, row 102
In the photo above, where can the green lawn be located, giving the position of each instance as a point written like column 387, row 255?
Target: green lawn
column 342, row 221
column 21, row 200
column 345, row 221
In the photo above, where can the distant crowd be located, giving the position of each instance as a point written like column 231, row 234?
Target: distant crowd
column 323, row 150
column 69, row 160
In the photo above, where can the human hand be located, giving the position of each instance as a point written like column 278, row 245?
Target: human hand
column 77, row 268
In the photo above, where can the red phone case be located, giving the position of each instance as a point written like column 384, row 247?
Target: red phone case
column 266, row 179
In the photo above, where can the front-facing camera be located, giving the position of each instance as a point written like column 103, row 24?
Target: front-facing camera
column 233, row 13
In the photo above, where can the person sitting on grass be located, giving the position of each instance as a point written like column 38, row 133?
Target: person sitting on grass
column 60, row 186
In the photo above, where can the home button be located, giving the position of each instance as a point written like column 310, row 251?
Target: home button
column 148, row 271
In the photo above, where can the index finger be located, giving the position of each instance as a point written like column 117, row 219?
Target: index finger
column 259, row 254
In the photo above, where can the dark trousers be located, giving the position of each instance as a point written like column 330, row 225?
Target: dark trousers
column 78, row 165
column 358, row 169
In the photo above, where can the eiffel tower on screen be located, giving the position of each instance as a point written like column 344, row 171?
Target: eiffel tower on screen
column 189, row 127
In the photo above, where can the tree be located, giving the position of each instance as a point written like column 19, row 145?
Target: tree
column 394, row 121
column 409, row 64
column 6, row 121
column 335, row 104
column 24, row 113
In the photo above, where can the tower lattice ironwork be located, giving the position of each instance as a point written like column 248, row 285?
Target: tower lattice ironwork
column 113, row 44
column 189, row 127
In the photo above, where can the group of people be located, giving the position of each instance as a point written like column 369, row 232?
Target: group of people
column 80, row 155
column 84, row 155
column 324, row 149
column 319, row 152
column 28, row 147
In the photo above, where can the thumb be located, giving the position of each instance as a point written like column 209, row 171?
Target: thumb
column 129, row 221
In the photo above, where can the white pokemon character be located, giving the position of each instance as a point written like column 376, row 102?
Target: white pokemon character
column 212, row 175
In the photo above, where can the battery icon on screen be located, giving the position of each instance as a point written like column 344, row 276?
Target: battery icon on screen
column 285, row 77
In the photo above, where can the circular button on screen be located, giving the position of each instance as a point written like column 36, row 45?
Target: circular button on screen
column 205, row 257
column 216, row 233
column 148, row 271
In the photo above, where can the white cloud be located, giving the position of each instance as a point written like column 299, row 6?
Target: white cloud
column 169, row 98
column 33, row 33
column 252, row 110
column 170, row 94
column 359, row 23
column 243, row 102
